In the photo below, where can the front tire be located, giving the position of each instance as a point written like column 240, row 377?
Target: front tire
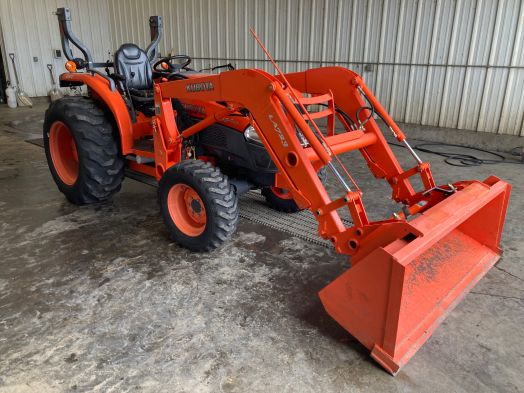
column 198, row 204
column 82, row 150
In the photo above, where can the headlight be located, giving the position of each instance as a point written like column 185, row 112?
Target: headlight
column 251, row 135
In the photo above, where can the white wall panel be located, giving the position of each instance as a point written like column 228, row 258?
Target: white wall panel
column 30, row 29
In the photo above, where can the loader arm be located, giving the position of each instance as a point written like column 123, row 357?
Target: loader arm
column 408, row 271
column 276, row 119
column 344, row 84
column 266, row 107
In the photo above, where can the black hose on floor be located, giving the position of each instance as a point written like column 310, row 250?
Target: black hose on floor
column 460, row 159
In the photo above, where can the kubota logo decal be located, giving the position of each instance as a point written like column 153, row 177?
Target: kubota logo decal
column 203, row 86
column 277, row 129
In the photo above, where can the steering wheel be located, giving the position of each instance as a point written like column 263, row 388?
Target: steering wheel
column 172, row 67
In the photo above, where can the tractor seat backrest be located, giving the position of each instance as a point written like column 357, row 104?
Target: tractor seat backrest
column 132, row 63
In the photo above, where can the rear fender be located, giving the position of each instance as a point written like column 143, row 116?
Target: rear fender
column 100, row 90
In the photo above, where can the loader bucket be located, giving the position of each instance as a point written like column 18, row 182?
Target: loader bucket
column 394, row 298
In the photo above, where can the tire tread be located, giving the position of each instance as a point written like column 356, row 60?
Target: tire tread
column 102, row 163
column 215, row 185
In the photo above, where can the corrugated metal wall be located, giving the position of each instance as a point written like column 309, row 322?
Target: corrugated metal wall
column 448, row 63
column 30, row 29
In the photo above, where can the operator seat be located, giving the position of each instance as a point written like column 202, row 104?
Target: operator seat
column 133, row 65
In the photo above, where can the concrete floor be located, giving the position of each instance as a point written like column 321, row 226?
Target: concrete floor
column 97, row 299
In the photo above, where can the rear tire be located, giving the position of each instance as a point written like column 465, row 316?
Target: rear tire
column 280, row 199
column 82, row 150
column 198, row 204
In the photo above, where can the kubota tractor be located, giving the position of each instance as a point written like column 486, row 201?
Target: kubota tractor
column 207, row 138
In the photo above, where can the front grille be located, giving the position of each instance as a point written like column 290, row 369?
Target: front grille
column 214, row 137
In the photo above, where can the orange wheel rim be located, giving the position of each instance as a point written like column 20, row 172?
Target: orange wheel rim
column 64, row 154
column 186, row 210
column 281, row 193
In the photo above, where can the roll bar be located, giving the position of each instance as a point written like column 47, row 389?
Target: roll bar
column 156, row 27
column 68, row 37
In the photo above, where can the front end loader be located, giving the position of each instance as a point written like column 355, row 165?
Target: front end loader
column 407, row 271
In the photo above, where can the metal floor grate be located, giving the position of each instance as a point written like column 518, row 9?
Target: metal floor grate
column 303, row 224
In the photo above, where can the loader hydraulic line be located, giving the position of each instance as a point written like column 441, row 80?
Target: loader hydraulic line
column 397, row 133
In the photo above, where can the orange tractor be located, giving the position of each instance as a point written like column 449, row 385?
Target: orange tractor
column 206, row 138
